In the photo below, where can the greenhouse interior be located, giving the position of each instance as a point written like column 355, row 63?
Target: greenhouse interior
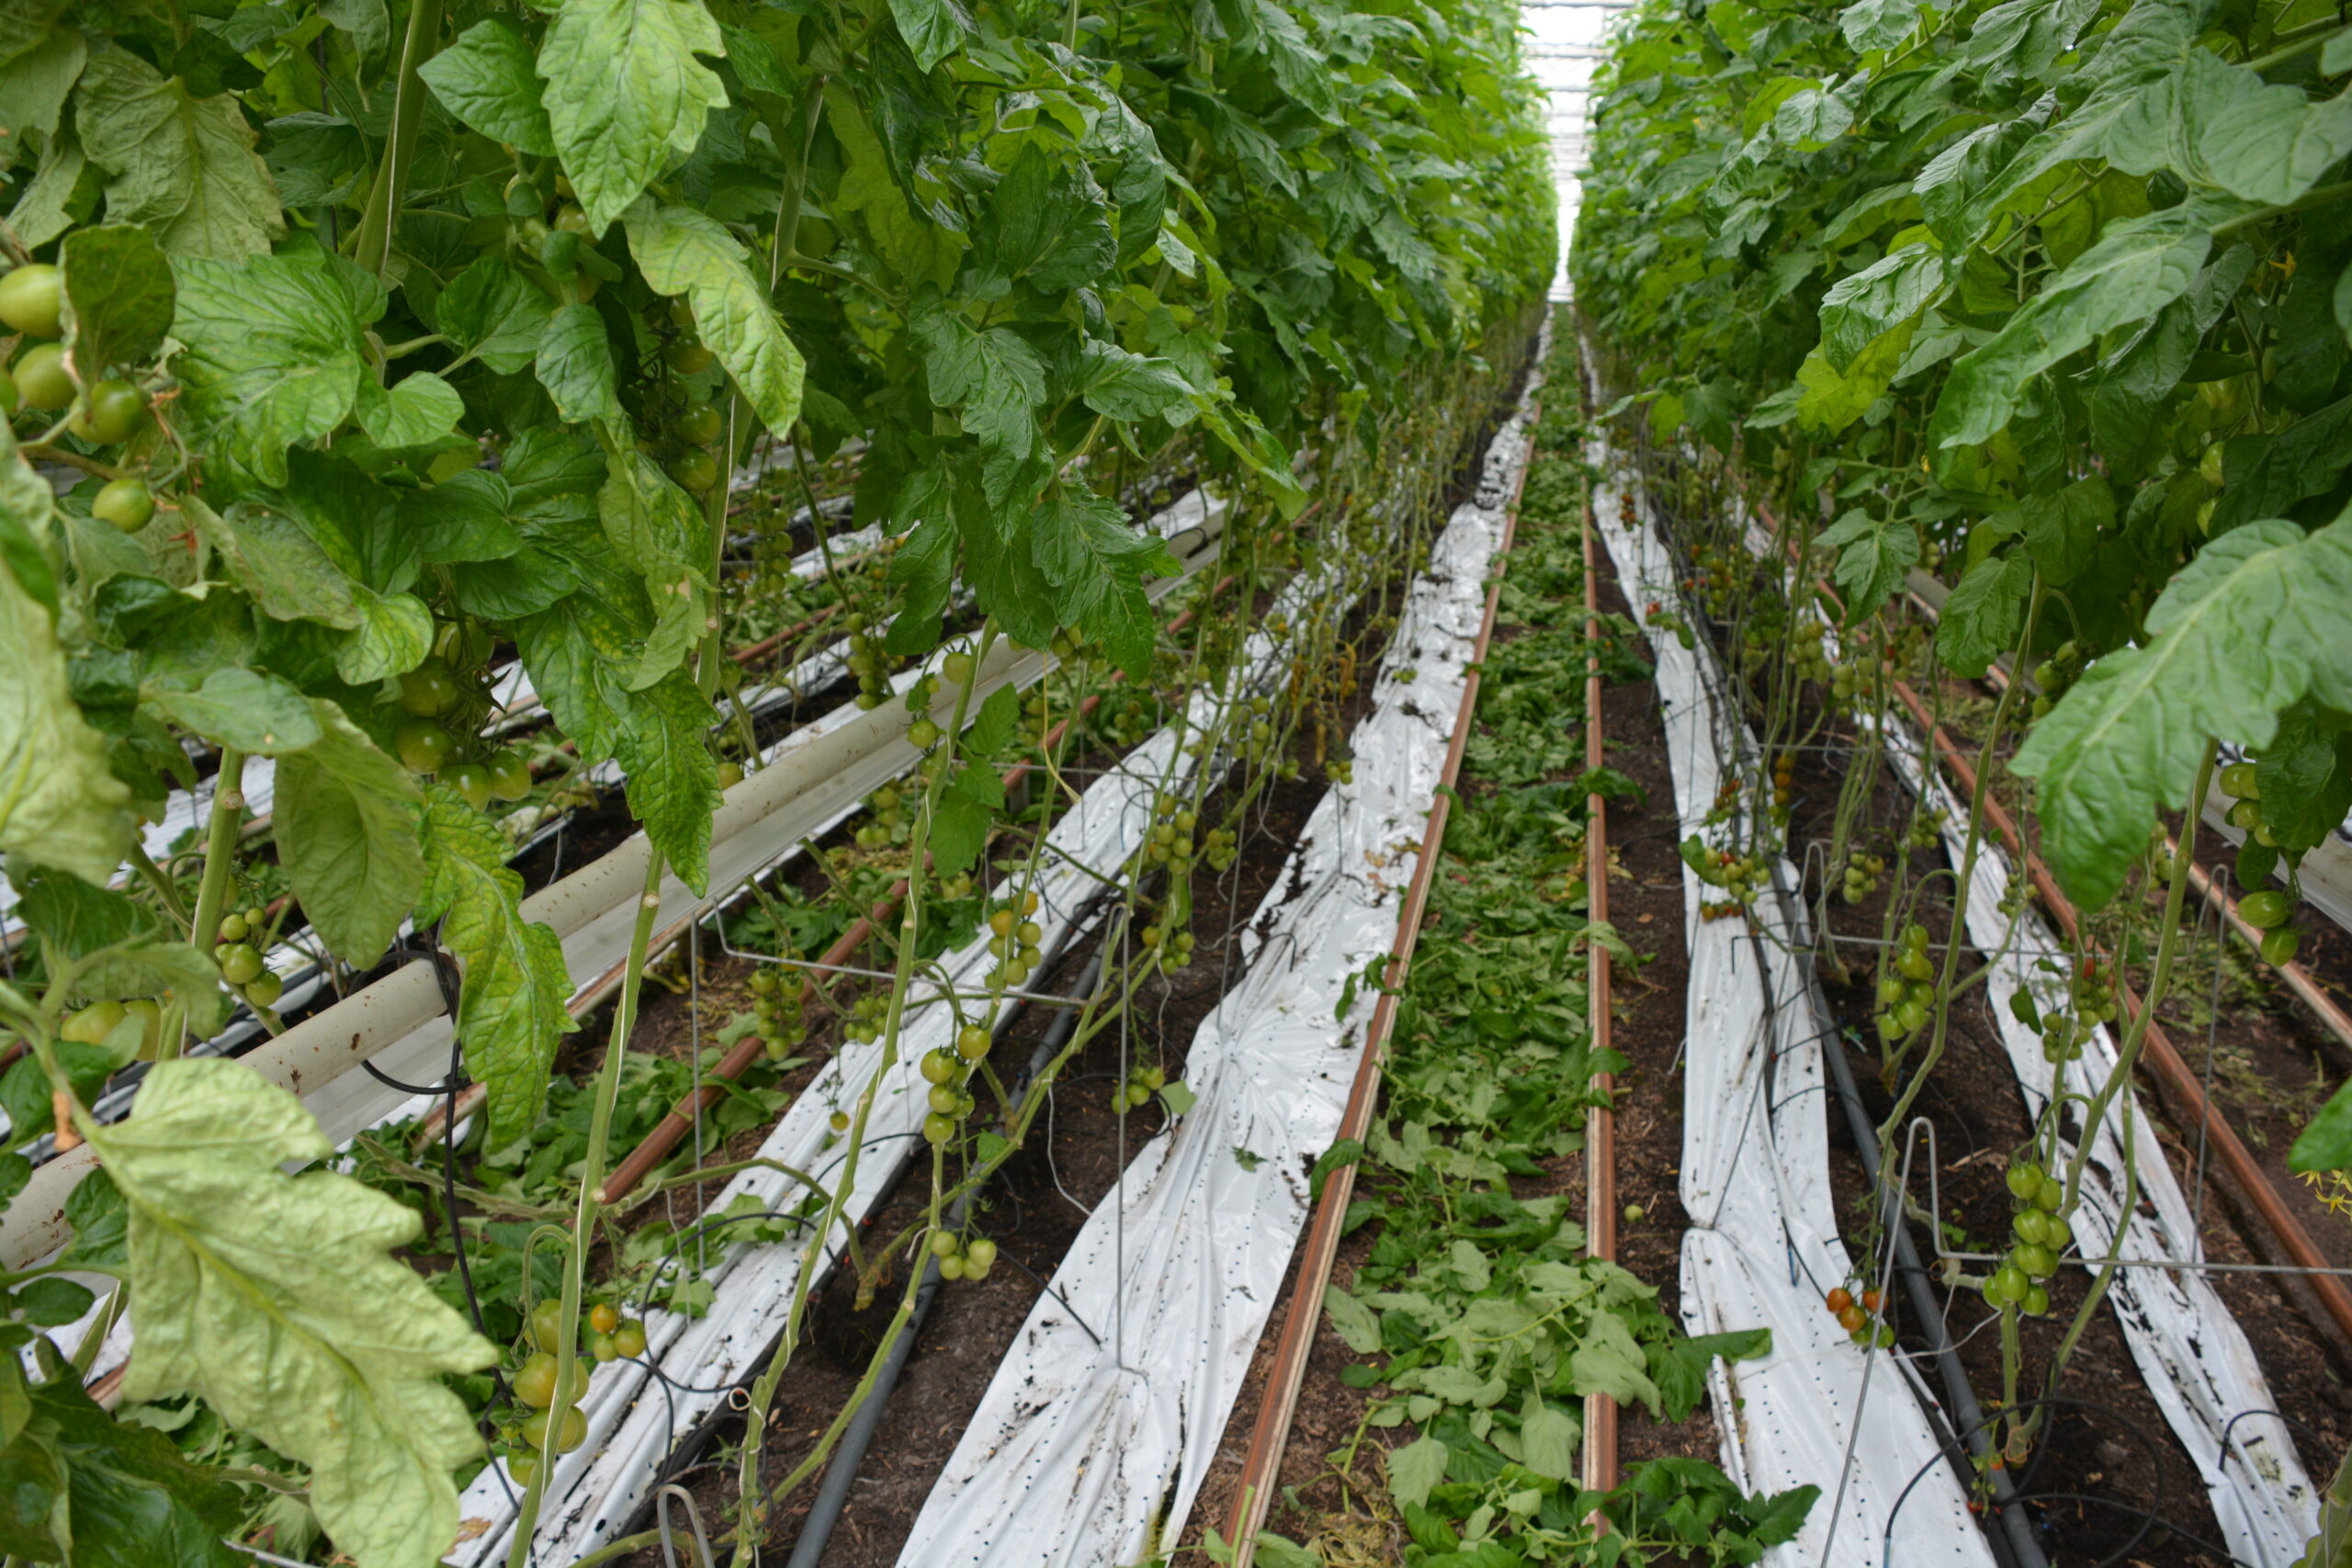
column 1325, row 783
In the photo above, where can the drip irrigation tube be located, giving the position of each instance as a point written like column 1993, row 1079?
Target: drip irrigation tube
column 832, row 1494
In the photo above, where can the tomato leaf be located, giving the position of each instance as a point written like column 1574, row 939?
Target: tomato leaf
column 934, row 29
column 682, row 252
column 673, row 778
column 183, row 166
column 60, row 802
column 1872, row 558
column 495, row 313
column 1981, row 618
column 118, row 296
column 347, row 835
column 412, row 410
column 575, row 365
column 485, row 78
column 991, row 375
column 240, row 708
column 624, row 93
column 2237, row 636
column 511, row 1009
column 333, row 1351
column 279, row 564
column 272, row 356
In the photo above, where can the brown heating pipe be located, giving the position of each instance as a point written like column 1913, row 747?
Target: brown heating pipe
column 1600, row 1127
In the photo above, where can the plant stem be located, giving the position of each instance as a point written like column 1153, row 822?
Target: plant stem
column 156, row 879
column 373, row 246
column 591, row 1176
column 910, row 926
column 220, row 859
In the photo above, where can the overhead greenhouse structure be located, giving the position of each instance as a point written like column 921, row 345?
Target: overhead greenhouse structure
column 1315, row 782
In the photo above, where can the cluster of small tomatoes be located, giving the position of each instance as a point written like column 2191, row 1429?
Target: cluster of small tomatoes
column 2042, row 1236
column 1863, row 876
column 2268, row 910
column 2090, row 1002
column 948, row 1070
column 1741, row 877
column 1857, row 1316
column 539, row 1429
column 32, row 303
column 445, row 700
column 1907, row 994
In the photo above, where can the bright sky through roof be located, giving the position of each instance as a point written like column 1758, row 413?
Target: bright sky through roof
column 1564, row 46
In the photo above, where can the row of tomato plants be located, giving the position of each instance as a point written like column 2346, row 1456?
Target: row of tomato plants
column 385, row 338
column 2043, row 301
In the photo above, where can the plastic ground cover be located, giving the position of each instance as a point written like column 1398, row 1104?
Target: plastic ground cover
column 1763, row 1246
column 1088, row 1453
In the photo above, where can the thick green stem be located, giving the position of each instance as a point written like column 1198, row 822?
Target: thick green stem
column 220, row 860
column 592, row 1198
column 374, row 244
column 1958, row 936
column 910, row 929
column 2168, row 945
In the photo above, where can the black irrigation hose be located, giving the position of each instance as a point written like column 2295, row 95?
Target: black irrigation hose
column 2018, row 1533
column 832, row 1494
column 2147, row 1514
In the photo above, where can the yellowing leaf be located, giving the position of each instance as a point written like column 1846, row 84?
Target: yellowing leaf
column 183, row 166
column 276, row 1299
column 682, row 252
column 625, row 92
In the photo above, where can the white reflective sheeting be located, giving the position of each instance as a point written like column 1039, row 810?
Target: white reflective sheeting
column 1763, row 1246
column 1092, row 1443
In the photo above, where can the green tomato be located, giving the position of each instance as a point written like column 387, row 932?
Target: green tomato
column 115, row 411
column 628, row 1339
column 687, row 357
column 150, row 1014
column 981, row 1253
column 1915, row 965
column 569, row 1435
column 570, row 220
column 510, row 775
column 524, row 1466
column 2238, row 782
column 957, row 667
column 2030, row 1226
column 729, row 774
column 944, row 1101
column 41, row 378
column 93, row 1024
column 428, row 689
column 547, row 1322
column 922, row 734
column 2053, row 1192
column 535, row 1380
column 424, row 746
column 938, row 1129
column 126, row 503
column 2037, row 1261
column 951, row 1267
column 238, row 962
column 2007, row 1284
column 699, row 425
column 2279, row 945
column 938, row 1066
column 695, row 470
column 263, row 989
column 972, row 1042
column 601, row 1348
column 472, row 780
column 2266, row 909
column 2037, row 1300
column 231, row 929
column 32, row 301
